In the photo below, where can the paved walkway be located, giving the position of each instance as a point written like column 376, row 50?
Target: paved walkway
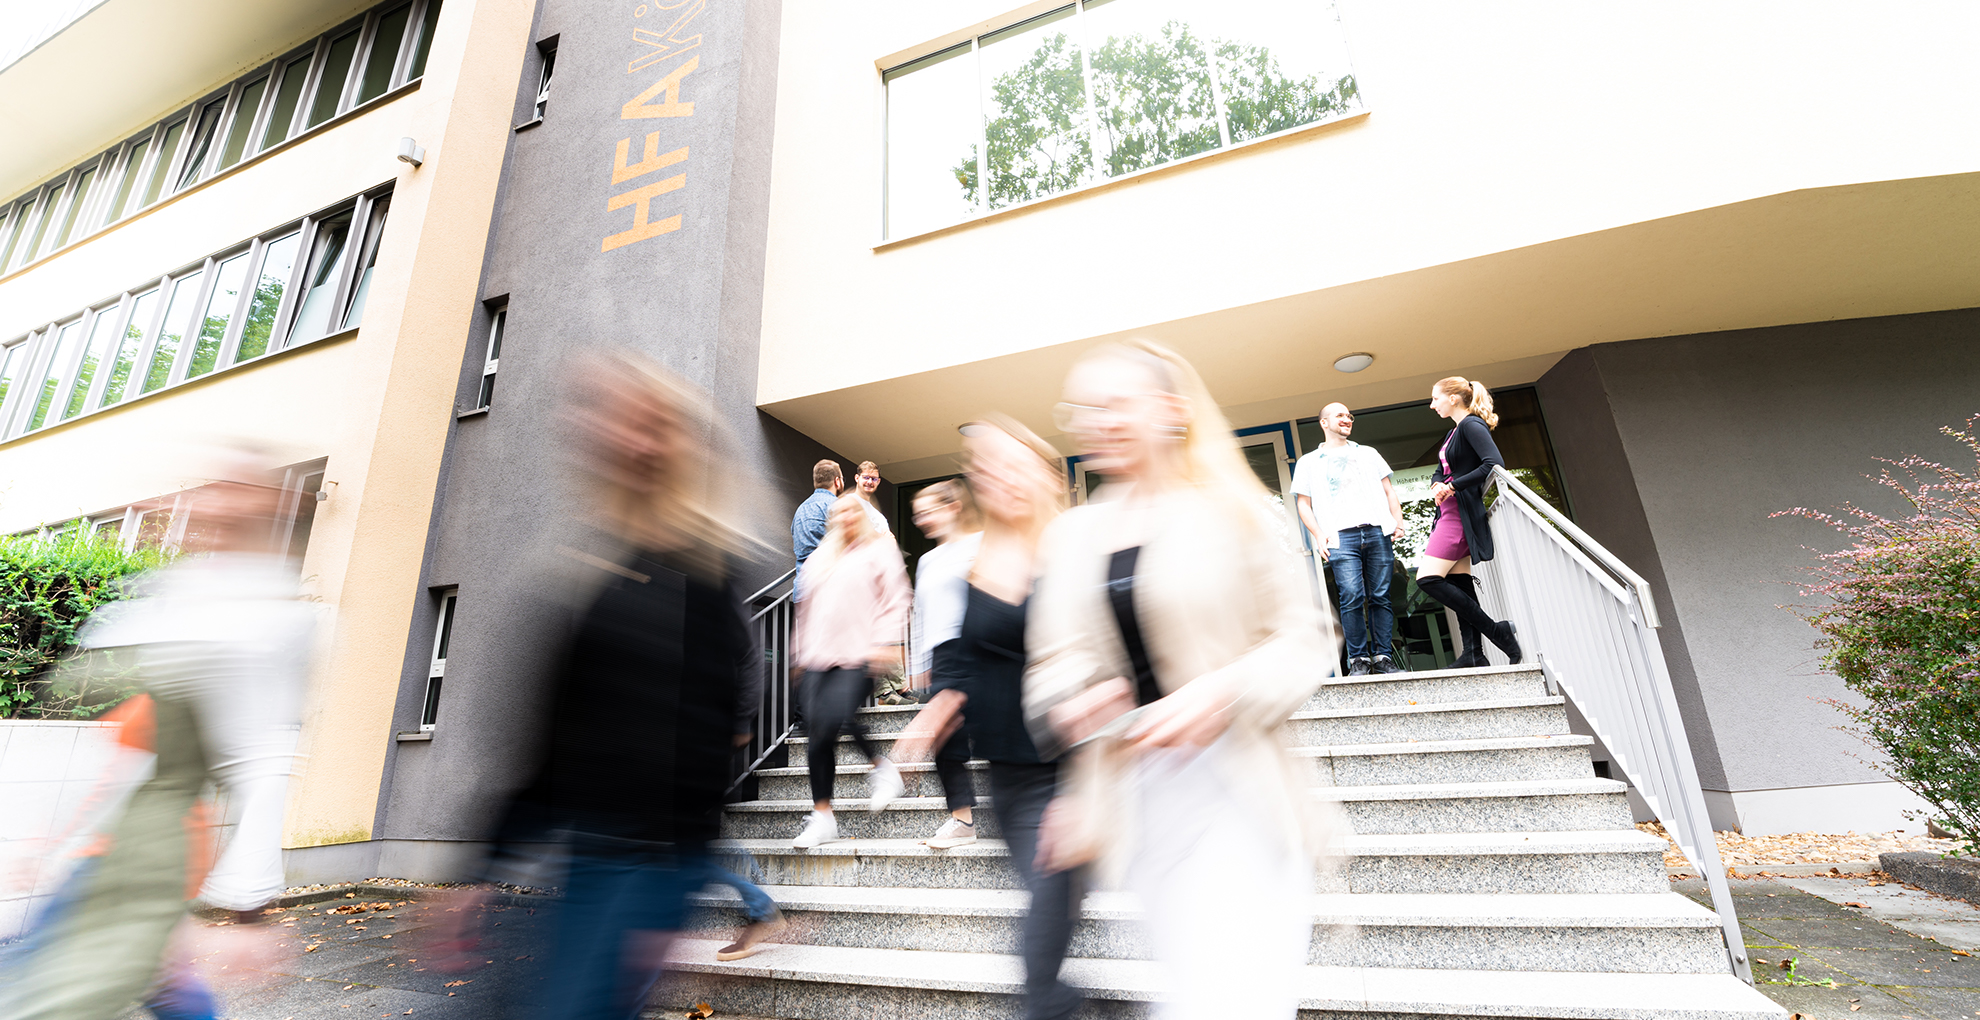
column 1845, row 961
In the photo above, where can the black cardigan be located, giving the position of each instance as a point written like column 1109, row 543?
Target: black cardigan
column 1472, row 454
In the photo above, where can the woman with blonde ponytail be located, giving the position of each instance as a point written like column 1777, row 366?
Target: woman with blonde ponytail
column 1462, row 535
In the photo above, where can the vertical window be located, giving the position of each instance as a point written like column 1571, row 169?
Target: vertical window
column 143, row 308
column 304, row 517
column 202, row 143
column 373, row 230
column 243, row 126
column 10, row 231
column 417, row 68
column 161, row 167
column 221, row 303
column 10, row 360
column 295, row 75
column 543, row 85
column 172, row 332
column 66, row 339
column 384, row 55
column 127, row 181
column 43, row 213
column 494, row 358
column 278, row 263
column 1034, row 111
column 443, row 632
column 336, row 70
column 78, row 198
column 102, row 334
column 321, row 276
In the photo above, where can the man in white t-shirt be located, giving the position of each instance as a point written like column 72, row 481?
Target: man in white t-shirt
column 867, row 482
column 1350, row 508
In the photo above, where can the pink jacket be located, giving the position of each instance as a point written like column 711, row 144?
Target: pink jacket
column 852, row 605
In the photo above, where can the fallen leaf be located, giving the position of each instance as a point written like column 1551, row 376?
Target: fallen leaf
column 701, row 1011
column 1854, row 1008
column 1859, row 906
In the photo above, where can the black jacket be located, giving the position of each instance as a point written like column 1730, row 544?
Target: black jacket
column 1472, row 454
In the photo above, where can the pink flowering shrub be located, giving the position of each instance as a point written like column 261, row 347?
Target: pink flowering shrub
column 1899, row 612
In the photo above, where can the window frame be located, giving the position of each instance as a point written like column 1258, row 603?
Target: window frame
column 24, row 348
column 436, row 664
column 490, row 357
column 546, row 53
column 278, row 77
column 266, row 74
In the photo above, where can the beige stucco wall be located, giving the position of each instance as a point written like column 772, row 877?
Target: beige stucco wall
column 377, row 404
column 1492, row 129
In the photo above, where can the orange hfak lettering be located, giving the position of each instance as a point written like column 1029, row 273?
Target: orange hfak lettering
column 668, row 42
column 641, row 107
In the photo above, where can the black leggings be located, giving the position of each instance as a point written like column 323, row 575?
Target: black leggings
column 952, row 760
column 831, row 707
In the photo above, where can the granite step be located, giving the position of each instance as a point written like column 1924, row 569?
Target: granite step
column 852, row 781
column 1646, row 932
column 910, row 818
column 1452, row 720
column 1521, row 805
column 1428, row 687
column 816, row 982
column 872, row 863
column 847, row 753
column 1489, row 759
column 887, row 718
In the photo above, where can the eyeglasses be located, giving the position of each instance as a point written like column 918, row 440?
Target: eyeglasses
column 1069, row 417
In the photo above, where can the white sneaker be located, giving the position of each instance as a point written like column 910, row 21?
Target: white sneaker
column 954, row 833
column 821, row 827
column 884, row 784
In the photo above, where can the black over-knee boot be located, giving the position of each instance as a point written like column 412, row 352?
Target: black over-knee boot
column 1470, row 612
column 1474, row 647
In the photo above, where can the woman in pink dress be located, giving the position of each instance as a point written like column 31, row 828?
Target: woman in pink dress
column 1462, row 535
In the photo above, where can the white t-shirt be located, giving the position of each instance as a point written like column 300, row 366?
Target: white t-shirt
column 873, row 514
column 941, row 593
column 1345, row 485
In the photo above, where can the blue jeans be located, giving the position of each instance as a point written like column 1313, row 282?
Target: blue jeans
column 757, row 904
column 614, row 895
column 1362, row 565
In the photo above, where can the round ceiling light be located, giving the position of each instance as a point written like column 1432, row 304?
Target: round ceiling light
column 1353, row 362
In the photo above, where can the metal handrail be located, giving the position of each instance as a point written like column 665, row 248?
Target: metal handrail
column 1595, row 623
column 773, row 622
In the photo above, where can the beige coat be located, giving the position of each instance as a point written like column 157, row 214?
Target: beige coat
column 1216, row 604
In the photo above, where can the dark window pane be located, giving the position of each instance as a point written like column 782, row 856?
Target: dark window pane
column 202, row 143
column 133, row 166
column 83, row 182
column 487, row 390
column 425, row 43
column 384, row 54
column 237, row 136
column 166, row 151
column 336, row 69
column 294, row 77
column 305, row 516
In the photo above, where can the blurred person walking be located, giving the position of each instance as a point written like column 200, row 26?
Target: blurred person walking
column 867, row 485
column 662, row 642
column 220, row 645
column 946, row 513
column 1170, row 599
column 1462, row 535
column 808, row 523
column 851, row 610
column 1349, row 506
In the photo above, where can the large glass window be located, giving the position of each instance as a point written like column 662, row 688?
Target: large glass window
column 221, row 303
column 336, row 70
column 67, row 336
column 1101, row 89
column 320, row 278
column 143, row 308
column 42, row 214
column 172, row 332
column 202, row 144
column 78, row 199
column 127, row 181
column 102, row 334
column 278, row 263
column 384, row 54
column 243, row 126
column 10, row 231
column 295, row 75
column 427, row 21
column 162, row 166
column 10, row 360
column 374, row 230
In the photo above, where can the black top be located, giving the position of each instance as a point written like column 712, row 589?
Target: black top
column 993, row 643
column 1120, row 596
column 1472, row 455
column 657, row 676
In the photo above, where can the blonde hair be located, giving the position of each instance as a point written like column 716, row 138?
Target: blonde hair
column 688, row 506
column 1049, row 459
column 955, row 492
column 1212, row 461
column 1477, row 399
column 835, row 543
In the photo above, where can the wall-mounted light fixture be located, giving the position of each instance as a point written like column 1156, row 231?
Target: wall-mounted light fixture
column 410, row 152
column 329, row 489
column 1353, row 362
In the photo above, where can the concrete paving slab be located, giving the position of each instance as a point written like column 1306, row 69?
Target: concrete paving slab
column 1846, row 933
column 1835, row 1003
column 1944, row 1004
column 1951, row 922
column 1935, row 968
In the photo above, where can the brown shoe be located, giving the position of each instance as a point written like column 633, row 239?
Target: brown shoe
column 752, row 938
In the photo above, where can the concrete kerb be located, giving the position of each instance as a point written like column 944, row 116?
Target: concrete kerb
column 369, row 891
column 1858, row 868
column 1947, row 876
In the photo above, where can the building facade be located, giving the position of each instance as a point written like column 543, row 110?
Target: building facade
column 1709, row 278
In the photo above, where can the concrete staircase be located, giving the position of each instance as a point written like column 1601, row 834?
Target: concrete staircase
column 1490, row 875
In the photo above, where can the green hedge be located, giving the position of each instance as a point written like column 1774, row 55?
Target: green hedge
column 48, row 588
column 1899, row 613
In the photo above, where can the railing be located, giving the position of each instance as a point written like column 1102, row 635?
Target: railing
column 774, row 616
column 1594, row 625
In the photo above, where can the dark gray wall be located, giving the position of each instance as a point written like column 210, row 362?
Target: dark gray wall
column 690, row 298
column 1678, row 449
